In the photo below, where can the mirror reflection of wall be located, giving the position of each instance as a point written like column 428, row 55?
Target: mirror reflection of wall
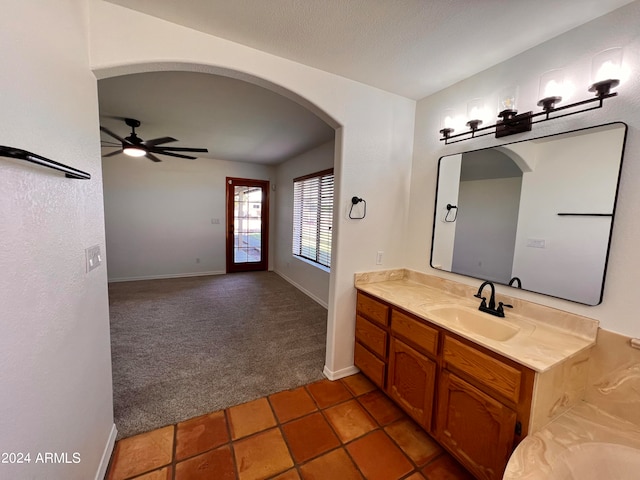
column 488, row 202
column 511, row 204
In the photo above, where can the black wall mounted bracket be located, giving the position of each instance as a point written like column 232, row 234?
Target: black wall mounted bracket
column 354, row 202
column 20, row 154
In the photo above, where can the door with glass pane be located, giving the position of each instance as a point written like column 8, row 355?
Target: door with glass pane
column 247, row 224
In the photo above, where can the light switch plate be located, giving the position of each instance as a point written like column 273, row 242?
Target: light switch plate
column 93, row 256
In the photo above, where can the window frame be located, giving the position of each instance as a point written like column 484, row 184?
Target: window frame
column 323, row 207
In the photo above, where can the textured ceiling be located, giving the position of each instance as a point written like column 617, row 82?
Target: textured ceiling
column 409, row 47
column 235, row 120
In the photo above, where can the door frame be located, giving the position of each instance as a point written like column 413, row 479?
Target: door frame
column 231, row 266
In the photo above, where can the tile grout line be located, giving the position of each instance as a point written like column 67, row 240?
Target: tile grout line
column 417, row 468
column 383, row 428
column 284, row 438
column 227, row 422
column 353, row 440
column 174, row 459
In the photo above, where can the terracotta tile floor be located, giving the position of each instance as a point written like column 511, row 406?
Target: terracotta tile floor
column 342, row 430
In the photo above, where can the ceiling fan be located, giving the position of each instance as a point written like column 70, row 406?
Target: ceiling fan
column 134, row 146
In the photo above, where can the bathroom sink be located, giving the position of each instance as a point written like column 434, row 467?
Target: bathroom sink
column 476, row 322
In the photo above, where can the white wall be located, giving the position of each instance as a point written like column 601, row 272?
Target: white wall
column 55, row 376
column 568, row 177
column 573, row 50
column 374, row 140
column 314, row 281
column 484, row 244
column 158, row 216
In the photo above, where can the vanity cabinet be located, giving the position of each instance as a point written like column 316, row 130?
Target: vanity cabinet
column 412, row 366
column 412, row 379
column 474, row 402
column 475, row 427
column 478, row 423
column 372, row 339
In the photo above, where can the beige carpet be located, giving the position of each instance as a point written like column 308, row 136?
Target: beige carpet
column 185, row 347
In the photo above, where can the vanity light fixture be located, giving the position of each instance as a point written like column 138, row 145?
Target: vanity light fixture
column 605, row 75
column 606, row 70
column 551, row 89
column 475, row 113
column 447, row 122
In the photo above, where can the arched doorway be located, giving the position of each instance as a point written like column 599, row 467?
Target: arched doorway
column 136, row 210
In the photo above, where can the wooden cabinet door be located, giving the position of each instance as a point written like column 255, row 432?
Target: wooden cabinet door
column 478, row 429
column 411, row 381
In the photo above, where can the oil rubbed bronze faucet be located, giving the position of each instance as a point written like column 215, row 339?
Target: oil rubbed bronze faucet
column 491, row 308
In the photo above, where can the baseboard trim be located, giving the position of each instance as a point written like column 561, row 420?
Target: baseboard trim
column 106, row 455
column 338, row 374
column 169, row 275
column 303, row 290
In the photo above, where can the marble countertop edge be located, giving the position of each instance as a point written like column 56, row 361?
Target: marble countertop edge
column 539, row 345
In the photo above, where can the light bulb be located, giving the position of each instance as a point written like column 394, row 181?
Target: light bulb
column 448, row 119
column 475, row 113
column 606, row 71
column 507, row 100
column 134, row 151
column 606, row 65
column 551, row 88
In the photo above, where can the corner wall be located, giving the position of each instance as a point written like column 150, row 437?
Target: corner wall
column 574, row 51
column 310, row 279
column 55, row 380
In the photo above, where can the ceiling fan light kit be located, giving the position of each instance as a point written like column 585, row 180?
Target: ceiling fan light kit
column 134, row 146
column 133, row 151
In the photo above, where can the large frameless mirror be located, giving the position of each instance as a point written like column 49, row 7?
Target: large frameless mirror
column 536, row 214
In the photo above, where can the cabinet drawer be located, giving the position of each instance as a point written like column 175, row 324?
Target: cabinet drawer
column 497, row 376
column 373, row 337
column 416, row 332
column 371, row 366
column 372, row 309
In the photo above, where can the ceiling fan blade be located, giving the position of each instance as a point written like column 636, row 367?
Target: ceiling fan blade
column 152, row 157
column 109, row 132
column 182, row 149
column 157, row 141
column 176, row 155
column 112, row 153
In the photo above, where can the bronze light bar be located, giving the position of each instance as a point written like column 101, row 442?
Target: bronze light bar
column 511, row 122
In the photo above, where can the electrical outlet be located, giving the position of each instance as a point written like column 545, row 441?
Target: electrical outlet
column 215, row 221
column 93, row 257
column 379, row 257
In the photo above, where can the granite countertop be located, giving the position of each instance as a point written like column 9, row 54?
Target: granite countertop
column 544, row 336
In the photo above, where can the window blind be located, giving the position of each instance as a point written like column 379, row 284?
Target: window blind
column 313, row 216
